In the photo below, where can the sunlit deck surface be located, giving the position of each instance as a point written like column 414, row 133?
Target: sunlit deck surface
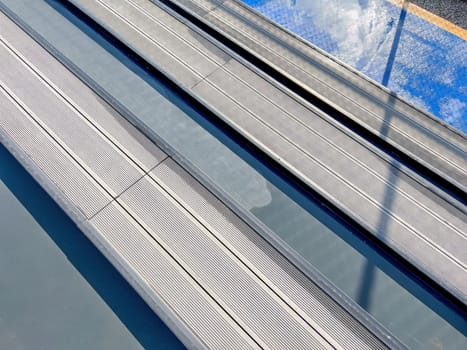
column 196, row 257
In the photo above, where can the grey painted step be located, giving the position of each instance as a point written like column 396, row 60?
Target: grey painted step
column 389, row 201
column 425, row 137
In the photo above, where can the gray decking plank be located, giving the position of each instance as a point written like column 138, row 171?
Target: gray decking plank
column 342, row 153
column 169, row 289
column 136, row 40
column 69, row 128
column 391, row 118
column 175, row 57
column 105, row 119
column 84, row 197
column 78, row 194
column 232, row 284
column 306, row 298
column 184, row 33
column 163, row 36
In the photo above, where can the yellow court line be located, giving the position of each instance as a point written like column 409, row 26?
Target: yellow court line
column 431, row 17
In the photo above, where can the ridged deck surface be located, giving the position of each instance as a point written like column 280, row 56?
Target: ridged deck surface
column 210, row 277
column 376, row 190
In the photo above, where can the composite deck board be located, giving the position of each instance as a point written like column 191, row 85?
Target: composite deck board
column 105, row 119
column 231, row 283
column 67, row 124
column 50, row 165
column 404, row 126
column 336, row 151
column 187, row 61
column 83, row 197
column 388, row 200
column 160, row 233
column 168, row 285
column 305, row 297
column 20, row 132
column 186, row 37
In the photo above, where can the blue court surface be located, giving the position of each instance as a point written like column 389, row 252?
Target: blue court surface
column 416, row 59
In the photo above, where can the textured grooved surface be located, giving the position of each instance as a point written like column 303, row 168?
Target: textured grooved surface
column 160, row 274
column 193, row 42
column 134, row 39
column 339, row 154
column 23, row 134
column 67, row 125
column 216, row 268
column 206, row 268
column 307, row 299
column 104, row 117
column 180, row 58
